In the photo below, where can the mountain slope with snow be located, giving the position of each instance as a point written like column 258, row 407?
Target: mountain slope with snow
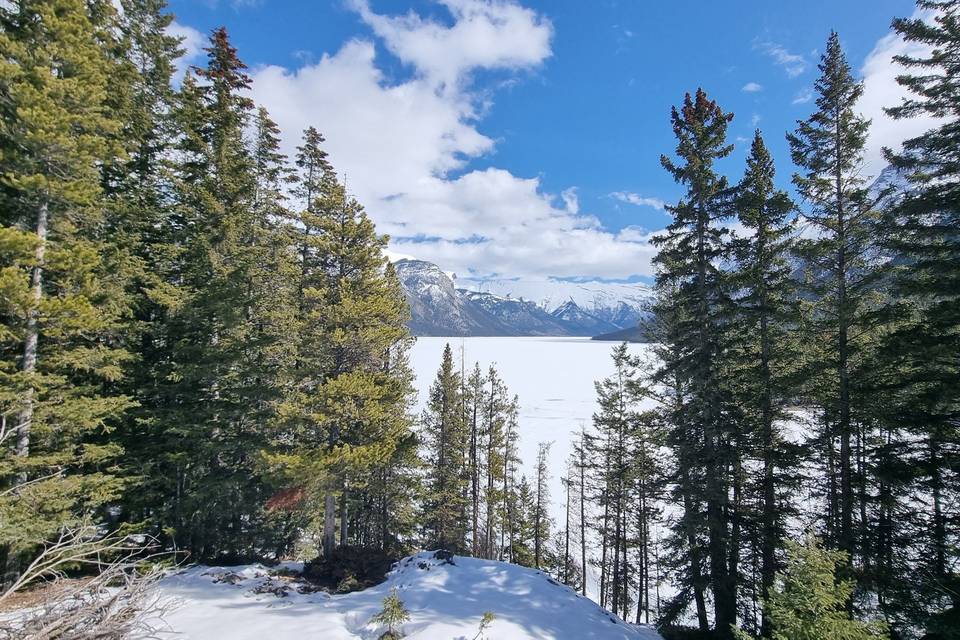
column 439, row 307
column 445, row 602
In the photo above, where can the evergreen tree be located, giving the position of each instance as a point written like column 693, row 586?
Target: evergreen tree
column 445, row 436
column 919, row 356
column 473, row 402
column 688, row 257
column 765, row 319
column 144, row 222
column 808, row 603
column 497, row 412
column 521, row 548
column 828, row 148
column 541, row 508
column 63, row 309
column 614, row 424
column 347, row 430
column 220, row 406
column 391, row 616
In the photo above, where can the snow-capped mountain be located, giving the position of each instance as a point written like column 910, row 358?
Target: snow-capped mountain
column 516, row 307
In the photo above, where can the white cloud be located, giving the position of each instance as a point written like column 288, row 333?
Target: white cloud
column 400, row 146
column 793, row 64
column 192, row 43
column 570, row 200
column 880, row 90
column 489, row 34
column 752, row 87
column 803, row 96
column 637, row 199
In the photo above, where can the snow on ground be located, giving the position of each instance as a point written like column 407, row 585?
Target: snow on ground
column 445, row 602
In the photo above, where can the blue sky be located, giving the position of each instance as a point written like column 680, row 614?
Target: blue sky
column 522, row 139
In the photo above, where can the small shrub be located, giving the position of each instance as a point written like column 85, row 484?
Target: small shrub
column 485, row 623
column 352, row 568
column 348, row 585
column 391, row 616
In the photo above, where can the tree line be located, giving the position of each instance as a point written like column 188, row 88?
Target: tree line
column 804, row 375
column 201, row 338
column 477, row 501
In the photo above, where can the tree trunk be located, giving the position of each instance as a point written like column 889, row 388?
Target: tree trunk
column 329, row 525
column 583, row 518
column 31, row 338
column 696, row 575
column 566, row 543
column 344, row 517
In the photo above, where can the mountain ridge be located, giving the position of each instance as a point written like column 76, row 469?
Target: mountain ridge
column 544, row 308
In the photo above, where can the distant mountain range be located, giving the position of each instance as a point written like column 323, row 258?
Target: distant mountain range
column 516, row 307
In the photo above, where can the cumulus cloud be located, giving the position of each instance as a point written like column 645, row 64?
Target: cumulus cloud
column 792, row 63
column 402, row 145
column 637, row 199
column 487, row 34
column 880, row 90
column 752, row 87
column 192, row 42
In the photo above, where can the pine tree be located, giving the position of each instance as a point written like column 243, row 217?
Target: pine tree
column 919, row 354
column 497, row 412
column 765, row 318
column 353, row 380
column 541, row 508
column 63, row 311
column 445, row 436
column 688, row 256
column 473, row 404
column 808, row 603
column 828, row 147
column 614, row 424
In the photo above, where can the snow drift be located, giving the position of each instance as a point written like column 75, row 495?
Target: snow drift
column 445, row 601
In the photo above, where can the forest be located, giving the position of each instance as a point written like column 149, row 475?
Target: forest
column 203, row 344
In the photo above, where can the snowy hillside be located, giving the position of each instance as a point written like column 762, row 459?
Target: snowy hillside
column 445, row 602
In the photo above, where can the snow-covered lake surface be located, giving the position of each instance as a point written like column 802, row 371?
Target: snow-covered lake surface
column 554, row 378
column 445, row 602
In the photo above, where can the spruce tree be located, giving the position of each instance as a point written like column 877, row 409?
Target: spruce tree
column 920, row 353
column 839, row 272
column 393, row 614
column 808, row 603
column 766, row 316
column 62, row 342
column 542, row 521
column 445, row 436
column 688, row 256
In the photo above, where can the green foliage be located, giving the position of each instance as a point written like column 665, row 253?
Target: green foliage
column 64, row 304
column 445, row 437
column 485, row 622
column 392, row 615
column 809, row 603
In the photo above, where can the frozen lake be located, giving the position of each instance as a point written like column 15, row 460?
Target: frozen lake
column 552, row 376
